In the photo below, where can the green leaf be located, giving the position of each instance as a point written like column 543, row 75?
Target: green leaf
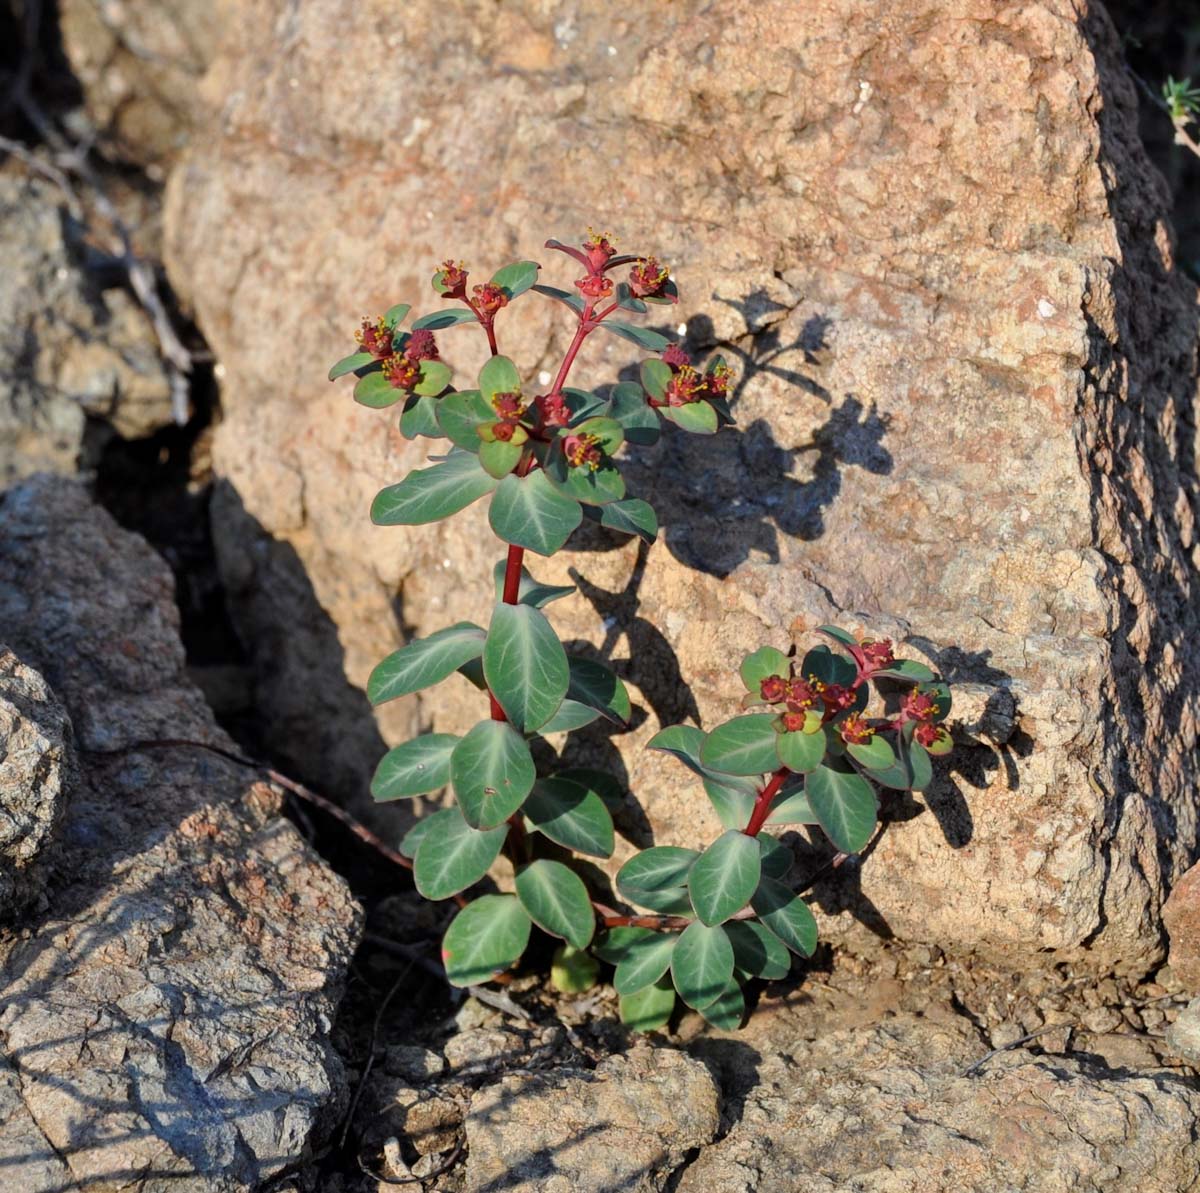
column 570, row 715
column 574, row 301
column 453, row 856
column 758, row 952
column 573, row 971
column 656, row 376
column 459, row 414
column 499, row 458
column 419, row 417
column 659, row 868
column 764, row 662
column 411, row 841
column 435, row 376
column 828, row 667
column 668, row 901
column 415, row 768
column 792, row 809
column 595, row 686
column 425, row 661
column 777, row 858
column 447, row 318
column 348, row 364
column 487, row 936
column 583, row 404
column 492, row 772
column 631, row 516
column 648, row 1009
column 875, row 754
column 608, row 431
column 724, row 876
column 682, row 742
column 728, row 1009
column 613, row 944
column 558, row 901
column 838, row 635
column 645, row 961
column 643, row 337
column 907, row 669
column 377, row 392
column 394, row 316
column 572, row 815
column 897, row 776
column 516, row 278
column 698, row 418
column 743, row 746
column 431, row 494
column 801, row 752
column 732, row 798
column 920, row 767
column 529, row 590
column 529, row 512
column 635, row 414
column 499, row 376
column 786, row 915
column 599, row 487
column 844, row 805
column 702, row 964
column 525, row 665
column 626, row 301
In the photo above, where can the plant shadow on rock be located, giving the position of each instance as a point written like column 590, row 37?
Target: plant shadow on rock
column 721, row 497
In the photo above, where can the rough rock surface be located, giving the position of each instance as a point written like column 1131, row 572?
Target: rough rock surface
column 626, row 1125
column 68, row 349
column 887, row 1108
column 37, row 774
column 165, row 1023
column 1181, row 918
column 931, row 243
column 139, row 65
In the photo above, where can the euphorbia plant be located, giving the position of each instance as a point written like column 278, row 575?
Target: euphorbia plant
column 810, row 750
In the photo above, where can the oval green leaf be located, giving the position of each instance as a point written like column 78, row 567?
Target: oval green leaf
column 660, row 867
column 762, row 663
column 487, row 936
column 638, row 418
column 414, row 768
column 844, row 805
column 556, row 898
column 376, row 392
column 447, row 318
column 724, row 876
column 786, row 915
column 459, row 414
column 492, row 772
column 743, row 746
column 499, row 376
column 648, row 1009
column 525, row 665
column 516, row 278
column 645, row 961
column 876, row 754
column 572, row 815
column 431, row 494
column 702, row 964
column 728, row 1009
column 758, row 952
column 348, row 364
column 529, row 512
column 800, row 752
column 643, row 337
column 452, row 855
column 594, row 685
column 426, row 661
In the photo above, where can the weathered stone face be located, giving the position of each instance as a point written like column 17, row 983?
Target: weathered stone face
column 930, row 242
column 165, row 1011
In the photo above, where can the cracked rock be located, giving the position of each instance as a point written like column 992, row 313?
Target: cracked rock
column 886, row 1108
column 37, row 774
column 627, row 1125
column 166, row 1014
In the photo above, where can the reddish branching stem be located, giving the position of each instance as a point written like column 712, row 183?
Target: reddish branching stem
column 762, row 804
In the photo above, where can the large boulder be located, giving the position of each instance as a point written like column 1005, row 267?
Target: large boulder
column 166, row 1012
column 931, row 243
column 70, row 349
column 37, row 777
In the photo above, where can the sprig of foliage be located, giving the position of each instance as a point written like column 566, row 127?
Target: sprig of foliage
column 1181, row 98
column 809, row 749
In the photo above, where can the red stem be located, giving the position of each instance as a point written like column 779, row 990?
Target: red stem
column 762, row 803
column 585, row 328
